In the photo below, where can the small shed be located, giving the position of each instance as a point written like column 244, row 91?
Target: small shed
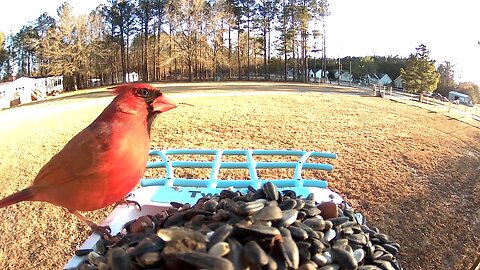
column 132, row 77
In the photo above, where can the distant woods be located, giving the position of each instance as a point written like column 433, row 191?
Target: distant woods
column 167, row 39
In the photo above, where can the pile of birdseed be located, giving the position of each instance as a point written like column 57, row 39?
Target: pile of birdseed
column 262, row 229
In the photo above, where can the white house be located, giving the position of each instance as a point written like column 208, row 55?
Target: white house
column 345, row 77
column 378, row 79
column 398, row 82
column 6, row 95
column 315, row 76
column 24, row 90
column 40, row 89
column 54, row 85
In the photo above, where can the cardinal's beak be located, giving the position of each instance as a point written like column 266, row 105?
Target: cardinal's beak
column 163, row 104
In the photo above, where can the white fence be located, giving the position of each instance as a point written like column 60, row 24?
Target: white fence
column 449, row 106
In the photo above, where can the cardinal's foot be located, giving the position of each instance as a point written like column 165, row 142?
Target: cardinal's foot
column 104, row 231
column 129, row 202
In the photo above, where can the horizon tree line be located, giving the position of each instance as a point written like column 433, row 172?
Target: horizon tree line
column 166, row 39
column 191, row 40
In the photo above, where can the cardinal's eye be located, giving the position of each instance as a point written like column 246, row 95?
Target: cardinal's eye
column 144, row 93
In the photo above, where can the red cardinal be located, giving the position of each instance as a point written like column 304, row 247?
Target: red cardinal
column 104, row 162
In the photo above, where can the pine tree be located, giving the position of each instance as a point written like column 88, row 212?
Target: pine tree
column 266, row 11
column 4, row 56
column 446, row 82
column 420, row 74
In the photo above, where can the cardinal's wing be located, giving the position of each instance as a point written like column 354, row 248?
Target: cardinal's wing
column 83, row 156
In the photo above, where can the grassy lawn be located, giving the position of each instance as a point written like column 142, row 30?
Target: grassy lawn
column 412, row 172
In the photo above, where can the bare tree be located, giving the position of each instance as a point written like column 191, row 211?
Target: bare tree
column 43, row 25
column 145, row 15
column 62, row 48
column 120, row 15
column 159, row 12
column 266, row 10
column 187, row 18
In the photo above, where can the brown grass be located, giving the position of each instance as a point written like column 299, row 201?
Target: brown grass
column 412, row 173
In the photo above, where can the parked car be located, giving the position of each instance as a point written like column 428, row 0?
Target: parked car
column 468, row 103
column 439, row 97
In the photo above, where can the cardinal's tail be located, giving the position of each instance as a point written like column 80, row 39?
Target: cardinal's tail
column 22, row 195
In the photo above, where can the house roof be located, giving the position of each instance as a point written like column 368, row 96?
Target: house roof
column 377, row 75
column 459, row 94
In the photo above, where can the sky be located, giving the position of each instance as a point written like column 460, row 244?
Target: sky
column 449, row 29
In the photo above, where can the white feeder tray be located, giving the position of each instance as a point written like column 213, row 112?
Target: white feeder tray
column 155, row 194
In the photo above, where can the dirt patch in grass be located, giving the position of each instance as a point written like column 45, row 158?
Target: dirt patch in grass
column 413, row 174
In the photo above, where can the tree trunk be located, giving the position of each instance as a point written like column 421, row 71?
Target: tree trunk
column 122, row 55
column 170, row 52
column 142, row 56
column 75, row 82
column 215, row 46
column 28, row 65
column 265, row 65
column 285, row 41
column 158, row 73
column 145, row 64
column 294, row 61
column 324, row 54
column 305, row 57
column 190, row 70
column 127, row 54
column 229, row 52
column 238, row 51
column 248, row 48
column 154, row 64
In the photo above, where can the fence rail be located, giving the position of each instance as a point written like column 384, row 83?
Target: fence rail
column 473, row 112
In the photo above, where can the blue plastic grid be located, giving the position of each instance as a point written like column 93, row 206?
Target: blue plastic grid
column 214, row 182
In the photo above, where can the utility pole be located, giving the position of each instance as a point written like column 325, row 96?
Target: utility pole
column 350, row 77
column 339, row 70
